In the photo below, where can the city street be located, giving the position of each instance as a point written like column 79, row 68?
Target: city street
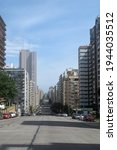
column 48, row 133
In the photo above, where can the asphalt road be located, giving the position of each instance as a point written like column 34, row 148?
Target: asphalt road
column 48, row 133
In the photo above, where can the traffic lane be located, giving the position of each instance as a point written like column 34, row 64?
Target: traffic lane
column 46, row 137
column 63, row 123
column 55, row 134
column 64, row 134
column 17, row 137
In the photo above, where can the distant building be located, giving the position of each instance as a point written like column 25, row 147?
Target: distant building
column 2, row 42
column 28, row 61
column 32, row 94
column 40, row 95
column 66, row 91
column 60, row 90
column 71, row 88
column 22, row 83
column 52, row 94
column 55, row 93
column 10, row 66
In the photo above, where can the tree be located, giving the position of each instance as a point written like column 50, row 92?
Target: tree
column 60, row 108
column 8, row 89
column 57, row 107
column 31, row 109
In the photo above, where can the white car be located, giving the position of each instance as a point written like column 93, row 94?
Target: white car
column 2, row 106
column 82, row 117
column 64, row 115
column 13, row 114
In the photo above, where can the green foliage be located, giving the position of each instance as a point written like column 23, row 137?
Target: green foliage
column 66, row 109
column 59, row 108
column 31, row 109
column 7, row 86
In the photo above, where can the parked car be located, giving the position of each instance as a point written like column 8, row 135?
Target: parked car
column 64, row 115
column 82, row 117
column 59, row 114
column 89, row 117
column 12, row 114
column 1, row 115
column 2, row 106
column 6, row 115
column 75, row 116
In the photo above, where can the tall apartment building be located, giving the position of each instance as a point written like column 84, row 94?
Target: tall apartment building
column 89, row 70
column 32, row 94
column 2, row 42
column 60, row 90
column 66, row 91
column 71, row 88
column 40, row 95
column 22, row 84
column 51, row 94
column 28, row 61
column 95, row 63
column 83, row 57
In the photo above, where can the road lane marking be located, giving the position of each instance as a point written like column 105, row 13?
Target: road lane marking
column 34, row 137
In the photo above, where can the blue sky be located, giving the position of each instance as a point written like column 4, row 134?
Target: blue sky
column 53, row 28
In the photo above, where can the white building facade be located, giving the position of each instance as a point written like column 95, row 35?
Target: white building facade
column 21, row 78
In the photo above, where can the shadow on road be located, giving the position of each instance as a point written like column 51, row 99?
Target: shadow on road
column 63, row 124
column 52, row 146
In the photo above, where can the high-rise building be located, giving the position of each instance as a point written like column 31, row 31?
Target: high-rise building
column 28, row 61
column 39, row 95
column 21, row 78
column 51, row 94
column 89, row 70
column 67, row 91
column 83, row 57
column 32, row 94
column 95, row 63
column 60, row 90
column 2, row 42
